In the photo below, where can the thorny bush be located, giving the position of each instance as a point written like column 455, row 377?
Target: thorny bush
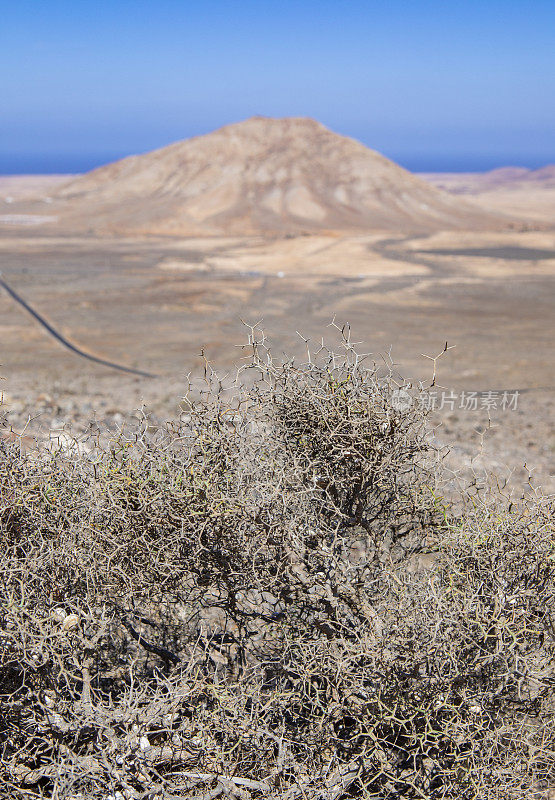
column 267, row 599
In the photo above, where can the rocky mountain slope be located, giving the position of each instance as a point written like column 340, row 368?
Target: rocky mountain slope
column 262, row 176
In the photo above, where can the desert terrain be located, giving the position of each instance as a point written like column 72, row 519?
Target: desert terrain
column 149, row 261
column 524, row 193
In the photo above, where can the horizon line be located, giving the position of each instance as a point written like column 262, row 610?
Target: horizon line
column 78, row 164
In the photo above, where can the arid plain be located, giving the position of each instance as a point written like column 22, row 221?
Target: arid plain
column 151, row 260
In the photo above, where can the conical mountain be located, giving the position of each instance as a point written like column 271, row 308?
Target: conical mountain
column 266, row 176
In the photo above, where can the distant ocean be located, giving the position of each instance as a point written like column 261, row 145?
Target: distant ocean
column 54, row 164
column 50, row 164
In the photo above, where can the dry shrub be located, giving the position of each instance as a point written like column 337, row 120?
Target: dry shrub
column 267, row 599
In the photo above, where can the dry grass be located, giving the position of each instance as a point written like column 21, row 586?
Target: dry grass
column 268, row 598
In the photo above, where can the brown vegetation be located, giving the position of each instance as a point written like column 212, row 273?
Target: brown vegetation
column 269, row 598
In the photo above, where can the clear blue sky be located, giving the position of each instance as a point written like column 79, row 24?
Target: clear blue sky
column 433, row 85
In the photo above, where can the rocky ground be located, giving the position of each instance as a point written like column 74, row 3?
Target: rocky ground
column 155, row 305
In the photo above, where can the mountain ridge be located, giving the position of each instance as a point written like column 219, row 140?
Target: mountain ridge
column 265, row 175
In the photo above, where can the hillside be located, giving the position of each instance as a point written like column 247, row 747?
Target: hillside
column 501, row 179
column 263, row 175
column 526, row 194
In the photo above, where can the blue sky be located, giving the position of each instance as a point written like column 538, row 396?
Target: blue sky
column 433, row 85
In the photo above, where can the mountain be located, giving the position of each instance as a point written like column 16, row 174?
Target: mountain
column 501, row 179
column 518, row 177
column 263, row 176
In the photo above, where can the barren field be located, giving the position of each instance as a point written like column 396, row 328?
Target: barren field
column 154, row 303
